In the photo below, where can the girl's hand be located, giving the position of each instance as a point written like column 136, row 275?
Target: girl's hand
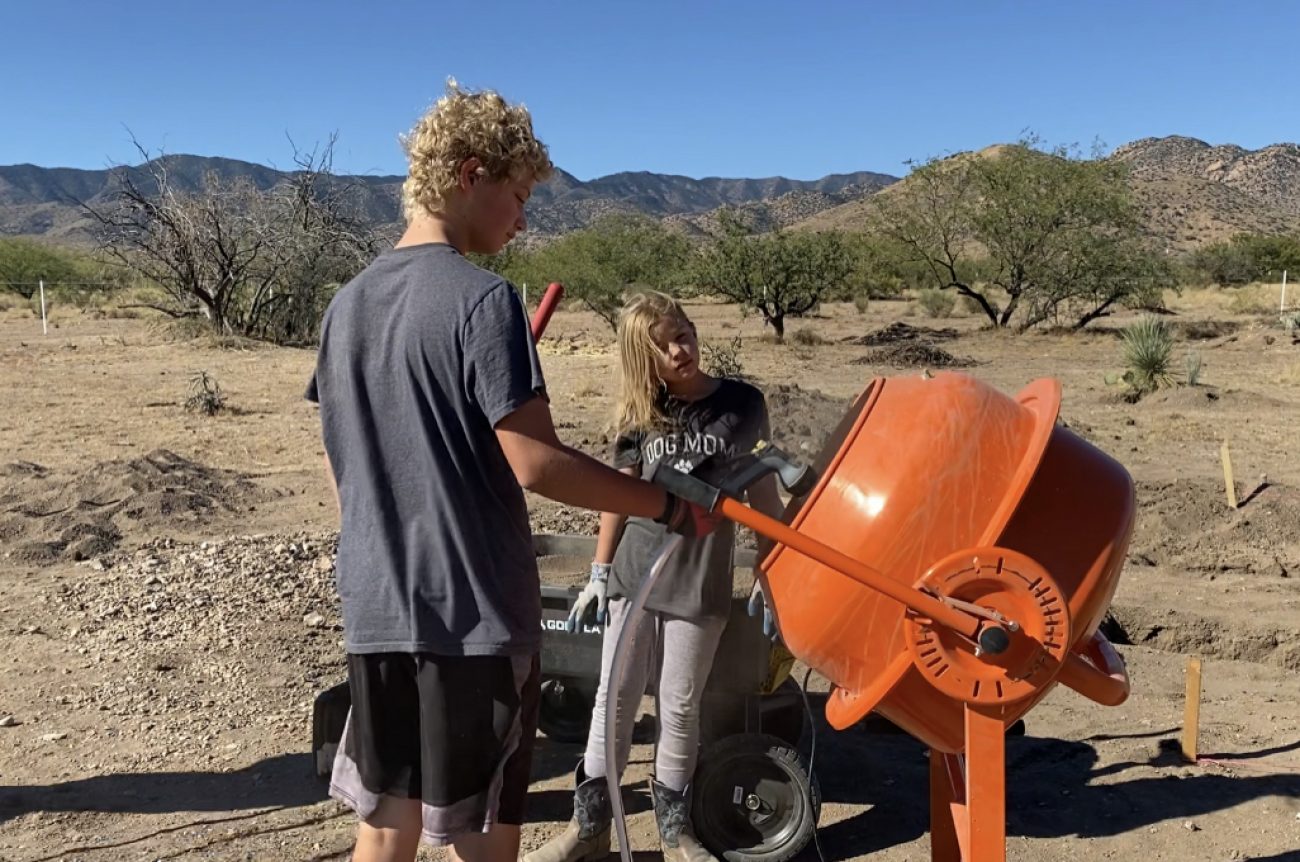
column 758, row 601
column 591, row 607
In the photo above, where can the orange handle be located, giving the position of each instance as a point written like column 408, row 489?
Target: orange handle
column 546, row 308
column 1096, row 671
column 922, row 603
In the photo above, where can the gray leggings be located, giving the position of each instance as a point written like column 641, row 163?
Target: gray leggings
column 687, row 650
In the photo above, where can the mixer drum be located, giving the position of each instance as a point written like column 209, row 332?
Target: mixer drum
column 918, row 472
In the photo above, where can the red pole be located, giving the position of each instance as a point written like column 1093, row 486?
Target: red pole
column 545, row 308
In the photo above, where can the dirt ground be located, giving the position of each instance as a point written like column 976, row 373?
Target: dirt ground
column 168, row 611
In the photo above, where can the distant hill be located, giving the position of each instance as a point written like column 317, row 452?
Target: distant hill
column 1192, row 193
column 43, row 201
column 1189, row 193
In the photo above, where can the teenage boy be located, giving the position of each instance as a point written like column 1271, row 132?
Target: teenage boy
column 435, row 417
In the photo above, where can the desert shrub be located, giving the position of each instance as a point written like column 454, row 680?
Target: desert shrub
column 1248, row 257
column 1193, row 363
column 806, row 337
column 937, row 303
column 182, row 328
column 862, row 301
column 723, row 359
column 1147, row 346
column 205, row 395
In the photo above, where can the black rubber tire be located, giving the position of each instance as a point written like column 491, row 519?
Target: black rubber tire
column 564, row 712
column 754, row 799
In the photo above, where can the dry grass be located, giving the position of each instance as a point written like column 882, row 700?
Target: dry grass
column 1254, row 299
column 1207, row 300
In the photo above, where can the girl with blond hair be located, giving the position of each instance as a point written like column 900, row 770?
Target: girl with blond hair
column 669, row 411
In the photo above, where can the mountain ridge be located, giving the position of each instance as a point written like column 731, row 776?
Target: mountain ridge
column 1188, row 193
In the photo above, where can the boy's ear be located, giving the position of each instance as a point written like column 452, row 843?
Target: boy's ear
column 471, row 170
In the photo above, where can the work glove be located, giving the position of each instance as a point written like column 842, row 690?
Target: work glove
column 758, row 602
column 591, row 607
column 688, row 519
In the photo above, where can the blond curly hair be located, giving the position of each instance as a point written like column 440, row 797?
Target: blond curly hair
column 465, row 124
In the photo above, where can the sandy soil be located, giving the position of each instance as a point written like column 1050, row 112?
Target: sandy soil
column 169, row 616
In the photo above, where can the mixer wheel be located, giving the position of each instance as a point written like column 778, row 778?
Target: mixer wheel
column 754, row 799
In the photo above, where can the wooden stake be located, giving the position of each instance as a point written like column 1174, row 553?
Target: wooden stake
column 1229, row 485
column 1192, row 710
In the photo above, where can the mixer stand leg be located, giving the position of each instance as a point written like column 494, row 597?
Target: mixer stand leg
column 968, row 811
column 947, row 806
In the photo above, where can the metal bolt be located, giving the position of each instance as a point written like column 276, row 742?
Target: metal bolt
column 752, row 802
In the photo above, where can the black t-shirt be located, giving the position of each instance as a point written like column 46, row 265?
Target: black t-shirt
column 696, row 582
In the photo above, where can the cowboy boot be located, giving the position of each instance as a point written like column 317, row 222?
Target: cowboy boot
column 672, row 813
column 586, row 839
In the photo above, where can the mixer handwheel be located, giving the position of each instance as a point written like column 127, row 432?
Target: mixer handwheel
column 1021, row 604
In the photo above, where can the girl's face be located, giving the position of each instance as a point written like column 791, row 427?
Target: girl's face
column 678, row 359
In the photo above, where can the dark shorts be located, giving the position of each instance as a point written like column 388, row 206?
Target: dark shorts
column 455, row 732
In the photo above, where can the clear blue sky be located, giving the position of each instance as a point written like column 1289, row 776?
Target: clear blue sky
column 702, row 88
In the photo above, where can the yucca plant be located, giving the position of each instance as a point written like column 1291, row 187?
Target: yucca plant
column 1147, row 346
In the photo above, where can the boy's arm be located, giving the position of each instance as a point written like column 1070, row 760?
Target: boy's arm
column 611, row 529
column 546, row 466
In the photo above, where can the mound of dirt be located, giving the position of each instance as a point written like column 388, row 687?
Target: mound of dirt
column 45, row 517
column 1179, row 631
column 899, row 331
column 914, row 354
column 801, row 418
column 1205, row 330
column 1187, row 525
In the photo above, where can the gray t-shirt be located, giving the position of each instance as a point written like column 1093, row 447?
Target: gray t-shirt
column 696, row 582
column 420, row 356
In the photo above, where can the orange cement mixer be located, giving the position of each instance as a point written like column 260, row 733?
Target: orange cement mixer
column 951, row 565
